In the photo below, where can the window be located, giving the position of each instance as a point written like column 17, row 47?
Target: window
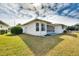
column 62, row 26
column 42, row 27
column 37, row 26
column 0, row 26
column 53, row 29
column 50, row 28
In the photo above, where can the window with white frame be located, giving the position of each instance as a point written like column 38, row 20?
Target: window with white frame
column 42, row 27
column 37, row 26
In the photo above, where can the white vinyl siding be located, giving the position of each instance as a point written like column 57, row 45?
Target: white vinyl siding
column 58, row 29
column 31, row 29
column 3, row 27
column 41, row 29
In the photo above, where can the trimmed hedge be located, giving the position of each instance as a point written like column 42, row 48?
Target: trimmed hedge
column 16, row 30
column 3, row 31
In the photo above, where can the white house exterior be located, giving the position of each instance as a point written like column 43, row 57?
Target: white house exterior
column 40, row 28
column 3, row 26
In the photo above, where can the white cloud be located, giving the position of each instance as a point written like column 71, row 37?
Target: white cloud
column 63, row 19
column 13, row 11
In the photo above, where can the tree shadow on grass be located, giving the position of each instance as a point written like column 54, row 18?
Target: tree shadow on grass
column 40, row 45
column 10, row 35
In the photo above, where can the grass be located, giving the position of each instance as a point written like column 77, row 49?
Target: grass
column 13, row 45
column 28, row 45
column 69, row 46
column 41, row 45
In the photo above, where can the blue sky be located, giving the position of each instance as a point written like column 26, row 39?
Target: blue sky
column 65, row 13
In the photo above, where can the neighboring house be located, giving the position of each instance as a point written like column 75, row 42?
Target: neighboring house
column 40, row 27
column 3, row 26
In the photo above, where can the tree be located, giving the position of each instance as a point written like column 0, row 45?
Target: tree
column 71, row 28
column 77, row 26
column 19, row 25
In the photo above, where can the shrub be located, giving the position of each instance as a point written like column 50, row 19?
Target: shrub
column 65, row 31
column 3, row 31
column 16, row 30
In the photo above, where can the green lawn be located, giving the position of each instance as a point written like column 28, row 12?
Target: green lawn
column 13, row 45
column 28, row 45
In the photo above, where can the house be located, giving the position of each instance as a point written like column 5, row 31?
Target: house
column 40, row 27
column 3, row 25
